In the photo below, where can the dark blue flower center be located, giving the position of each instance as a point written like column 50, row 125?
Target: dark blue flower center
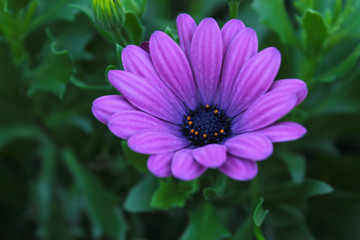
column 207, row 124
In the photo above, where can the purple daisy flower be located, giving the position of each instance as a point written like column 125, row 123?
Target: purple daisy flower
column 211, row 102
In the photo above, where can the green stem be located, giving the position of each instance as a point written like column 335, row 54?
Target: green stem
column 258, row 234
column 233, row 9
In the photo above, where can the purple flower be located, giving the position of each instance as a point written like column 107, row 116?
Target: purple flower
column 211, row 102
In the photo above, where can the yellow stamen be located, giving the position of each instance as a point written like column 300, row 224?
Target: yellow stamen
column 192, row 130
column 216, row 111
column 190, row 122
column 207, row 106
column 215, row 134
column 188, row 118
column 222, row 131
column 196, row 133
column 204, row 135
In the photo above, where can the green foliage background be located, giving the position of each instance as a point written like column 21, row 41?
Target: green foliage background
column 63, row 175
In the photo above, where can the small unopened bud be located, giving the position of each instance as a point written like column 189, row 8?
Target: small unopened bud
column 109, row 13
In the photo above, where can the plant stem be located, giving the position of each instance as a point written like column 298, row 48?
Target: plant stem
column 258, row 234
column 233, row 9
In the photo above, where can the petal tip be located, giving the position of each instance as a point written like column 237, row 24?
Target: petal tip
column 208, row 21
column 156, row 36
column 97, row 114
column 160, row 165
column 112, row 75
column 184, row 16
column 210, row 156
column 239, row 169
column 274, row 52
column 251, row 32
column 130, row 49
column 234, row 23
column 302, row 131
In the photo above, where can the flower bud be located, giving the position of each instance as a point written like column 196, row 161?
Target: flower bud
column 109, row 13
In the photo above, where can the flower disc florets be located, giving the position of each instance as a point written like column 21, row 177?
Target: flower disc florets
column 207, row 124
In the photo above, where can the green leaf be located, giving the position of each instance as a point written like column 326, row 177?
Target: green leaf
column 245, row 231
column 205, row 225
column 134, row 5
column 292, row 222
column 53, row 73
column 350, row 26
column 172, row 33
column 106, row 217
column 336, row 216
column 296, row 165
column 259, row 213
column 218, row 190
column 337, row 10
column 303, row 5
column 139, row 197
column 133, row 27
column 273, row 14
column 54, row 10
column 137, row 160
column 11, row 134
column 173, row 193
column 80, row 84
column 75, row 39
column 51, row 217
column 83, row 6
column 315, row 30
column 298, row 194
column 343, row 68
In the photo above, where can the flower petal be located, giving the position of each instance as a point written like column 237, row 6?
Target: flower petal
column 283, row 131
column 229, row 31
column 156, row 141
column 173, row 67
column 243, row 47
column 291, row 85
column 267, row 109
column 151, row 97
column 206, row 58
column 211, row 155
column 105, row 106
column 136, row 60
column 254, row 79
column 252, row 146
column 186, row 27
column 127, row 123
column 184, row 166
column 160, row 164
column 239, row 169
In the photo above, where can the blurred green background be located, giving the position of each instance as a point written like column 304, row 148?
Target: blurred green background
column 63, row 175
